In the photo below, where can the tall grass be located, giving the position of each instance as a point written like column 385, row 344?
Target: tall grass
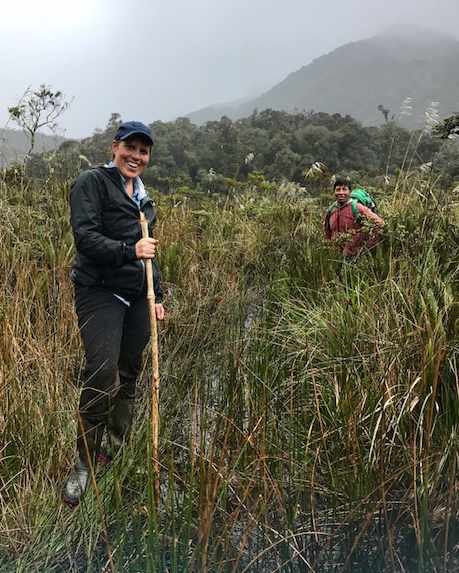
column 309, row 409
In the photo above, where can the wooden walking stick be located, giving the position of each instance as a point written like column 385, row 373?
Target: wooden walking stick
column 155, row 360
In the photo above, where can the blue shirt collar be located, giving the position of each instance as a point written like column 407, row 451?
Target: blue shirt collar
column 139, row 188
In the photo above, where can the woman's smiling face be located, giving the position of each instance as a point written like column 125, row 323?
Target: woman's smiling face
column 131, row 156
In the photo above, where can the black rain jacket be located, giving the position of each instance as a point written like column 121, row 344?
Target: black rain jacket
column 106, row 227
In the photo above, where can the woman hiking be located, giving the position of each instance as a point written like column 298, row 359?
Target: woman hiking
column 110, row 294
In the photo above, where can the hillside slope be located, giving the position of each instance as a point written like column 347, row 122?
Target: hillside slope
column 357, row 77
column 14, row 145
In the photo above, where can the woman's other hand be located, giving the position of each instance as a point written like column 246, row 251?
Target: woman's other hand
column 146, row 248
column 160, row 312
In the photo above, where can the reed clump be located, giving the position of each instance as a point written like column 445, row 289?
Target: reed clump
column 309, row 408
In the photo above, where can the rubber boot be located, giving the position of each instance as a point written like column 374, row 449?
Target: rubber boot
column 89, row 439
column 120, row 423
column 76, row 484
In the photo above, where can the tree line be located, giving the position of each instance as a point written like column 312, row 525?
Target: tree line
column 275, row 144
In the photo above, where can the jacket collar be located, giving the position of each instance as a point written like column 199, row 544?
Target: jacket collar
column 344, row 204
column 112, row 173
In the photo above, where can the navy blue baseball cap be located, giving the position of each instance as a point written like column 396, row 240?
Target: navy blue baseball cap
column 129, row 128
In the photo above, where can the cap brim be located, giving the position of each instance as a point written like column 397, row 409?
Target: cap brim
column 139, row 134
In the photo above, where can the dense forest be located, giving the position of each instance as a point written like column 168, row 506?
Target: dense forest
column 278, row 145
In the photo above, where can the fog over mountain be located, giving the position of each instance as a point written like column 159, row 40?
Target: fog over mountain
column 14, row 144
column 402, row 72
column 158, row 60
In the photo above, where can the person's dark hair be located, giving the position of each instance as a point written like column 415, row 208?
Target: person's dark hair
column 342, row 180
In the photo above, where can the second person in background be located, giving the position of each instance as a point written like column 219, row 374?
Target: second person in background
column 345, row 220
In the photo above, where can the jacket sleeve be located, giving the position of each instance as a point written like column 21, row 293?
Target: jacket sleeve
column 157, row 282
column 368, row 213
column 156, row 272
column 86, row 205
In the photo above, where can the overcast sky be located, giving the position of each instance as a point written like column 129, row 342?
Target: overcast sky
column 157, row 59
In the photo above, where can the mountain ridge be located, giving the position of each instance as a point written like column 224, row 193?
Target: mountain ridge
column 356, row 77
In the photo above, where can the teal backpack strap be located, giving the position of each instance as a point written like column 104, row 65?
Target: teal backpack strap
column 329, row 213
column 332, row 208
column 355, row 210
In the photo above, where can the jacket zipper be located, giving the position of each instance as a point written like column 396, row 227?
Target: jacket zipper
column 144, row 268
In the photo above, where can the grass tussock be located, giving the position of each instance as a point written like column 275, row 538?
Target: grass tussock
column 309, row 408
